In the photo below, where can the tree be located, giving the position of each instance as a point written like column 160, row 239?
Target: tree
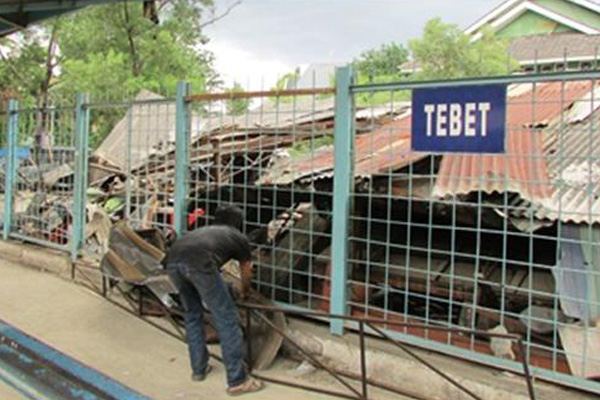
column 111, row 52
column 287, row 81
column 446, row 52
column 384, row 61
column 26, row 65
column 237, row 107
column 139, row 52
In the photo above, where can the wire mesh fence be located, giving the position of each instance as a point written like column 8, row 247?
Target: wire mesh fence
column 503, row 243
column 246, row 150
column 131, row 165
column 44, row 154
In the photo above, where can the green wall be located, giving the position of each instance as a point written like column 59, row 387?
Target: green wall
column 531, row 23
column 573, row 11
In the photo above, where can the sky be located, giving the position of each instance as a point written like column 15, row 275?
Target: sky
column 260, row 40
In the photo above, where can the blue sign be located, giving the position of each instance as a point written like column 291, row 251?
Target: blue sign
column 468, row 119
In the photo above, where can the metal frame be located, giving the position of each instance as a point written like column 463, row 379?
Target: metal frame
column 507, row 80
column 342, row 189
column 372, row 324
column 81, row 167
column 181, row 156
column 11, row 171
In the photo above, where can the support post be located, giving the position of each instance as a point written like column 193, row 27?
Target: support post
column 82, row 114
column 181, row 157
column 11, row 168
column 342, row 191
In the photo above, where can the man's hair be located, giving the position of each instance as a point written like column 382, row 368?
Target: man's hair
column 230, row 215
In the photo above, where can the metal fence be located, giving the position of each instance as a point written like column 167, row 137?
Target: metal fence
column 43, row 174
column 503, row 243
column 346, row 218
column 245, row 158
column 130, row 167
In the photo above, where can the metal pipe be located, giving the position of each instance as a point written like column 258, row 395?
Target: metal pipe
column 363, row 361
column 425, row 362
column 308, row 355
column 528, row 377
column 507, row 80
column 305, row 387
column 248, row 95
column 415, row 325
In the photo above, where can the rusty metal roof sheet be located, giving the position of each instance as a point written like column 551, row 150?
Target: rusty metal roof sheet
column 552, row 163
column 523, row 169
column 572, row 150
column 382, row 150
column 151, row 125
column 388, row 148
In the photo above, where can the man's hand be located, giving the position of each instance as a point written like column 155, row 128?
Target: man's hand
column 247, row 273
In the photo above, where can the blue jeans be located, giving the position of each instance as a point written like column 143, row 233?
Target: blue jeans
column 194, row 287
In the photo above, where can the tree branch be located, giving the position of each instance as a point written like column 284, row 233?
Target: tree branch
column 129, row 29
column 223, row 15
column 49, row 67
column 12, row 67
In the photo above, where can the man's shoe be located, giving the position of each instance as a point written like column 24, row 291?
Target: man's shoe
column 201, row 377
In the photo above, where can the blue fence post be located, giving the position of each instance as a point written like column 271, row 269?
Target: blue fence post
column 10, row 172
column 82, row 113
column 181, row 157
column 342, row 191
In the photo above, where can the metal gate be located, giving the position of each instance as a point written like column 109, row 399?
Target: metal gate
column 44, row 170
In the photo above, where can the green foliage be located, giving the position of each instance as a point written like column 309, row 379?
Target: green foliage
column 385, row 60
column 446, row 52
column 135, row 51
column 286, row 80
column 237, row 107
column 299, row 149
column 374, row 99
column 22, row 68
column 112, row 52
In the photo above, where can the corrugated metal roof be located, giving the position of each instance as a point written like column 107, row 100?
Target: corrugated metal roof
column 523, row 169
column 382, row 150
column 572, row 150
column 152, row 127
column 552, row 163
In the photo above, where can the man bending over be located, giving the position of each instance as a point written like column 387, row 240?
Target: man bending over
column 193, row 262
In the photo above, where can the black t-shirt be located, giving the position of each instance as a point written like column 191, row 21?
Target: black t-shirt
column 209, row 248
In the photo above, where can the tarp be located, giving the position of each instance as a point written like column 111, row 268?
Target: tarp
column 578, row 272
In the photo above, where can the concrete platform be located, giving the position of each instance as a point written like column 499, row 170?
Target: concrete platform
column 85, row 326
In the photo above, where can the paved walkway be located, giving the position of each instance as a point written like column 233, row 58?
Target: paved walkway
column 85, row 326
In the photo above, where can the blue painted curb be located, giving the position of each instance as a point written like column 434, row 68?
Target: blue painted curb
column 85, row 374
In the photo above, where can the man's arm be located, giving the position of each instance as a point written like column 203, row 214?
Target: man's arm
column 247, row 272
